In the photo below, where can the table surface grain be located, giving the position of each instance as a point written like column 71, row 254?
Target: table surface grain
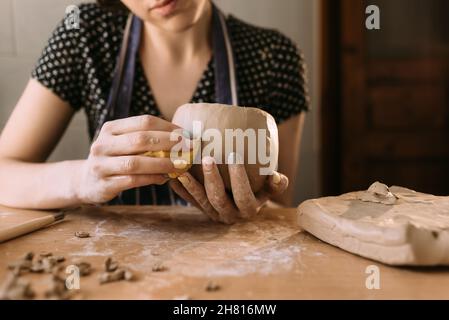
column 267, row 258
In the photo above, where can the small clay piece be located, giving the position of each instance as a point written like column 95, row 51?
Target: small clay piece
column 58, row 289
column 45, row 254
column 37, row 267
column 116, row 275
column 84, row 268
column 16, row 288
column 23, row 264
column 82, row 234
column 159, row 267
column 212, row 286
column 47, row 263
column 20, row 265
column 29, row 256
column 110, row 265
column 129, row 275
column 379, row 193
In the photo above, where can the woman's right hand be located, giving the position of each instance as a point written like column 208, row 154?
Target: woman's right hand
column 115, row 162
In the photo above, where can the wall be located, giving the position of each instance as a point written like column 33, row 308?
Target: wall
column 25, row 27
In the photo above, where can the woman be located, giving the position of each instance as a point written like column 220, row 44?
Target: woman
column 130, row 72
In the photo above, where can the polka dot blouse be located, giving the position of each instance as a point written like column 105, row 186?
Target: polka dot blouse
column 78, row 64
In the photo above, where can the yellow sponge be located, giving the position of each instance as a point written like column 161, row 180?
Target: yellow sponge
column 184, row 162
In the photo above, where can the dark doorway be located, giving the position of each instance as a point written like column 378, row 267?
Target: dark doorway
column 385, row 96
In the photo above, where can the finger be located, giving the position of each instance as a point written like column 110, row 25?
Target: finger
column 276, row 184
column 182, row 192
column 197, row 191
column 216, row 192
column 262, row 197
column 117, row 184
column 244, row 197
column 129, row 165
column 138, row 123
column 139, row 142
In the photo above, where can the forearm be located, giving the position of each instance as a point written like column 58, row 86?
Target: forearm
column 290, row 134
column 38, row 185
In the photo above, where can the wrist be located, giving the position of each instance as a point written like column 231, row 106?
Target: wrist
column 75, row 181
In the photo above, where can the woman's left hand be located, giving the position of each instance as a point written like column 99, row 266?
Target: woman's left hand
column 212, row 198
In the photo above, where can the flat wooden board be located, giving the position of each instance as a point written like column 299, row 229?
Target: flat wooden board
column 269, row 258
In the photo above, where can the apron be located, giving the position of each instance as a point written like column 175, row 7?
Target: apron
column 119, row 100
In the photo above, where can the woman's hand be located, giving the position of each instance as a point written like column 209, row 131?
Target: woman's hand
column 115, row 162
column 213, row 200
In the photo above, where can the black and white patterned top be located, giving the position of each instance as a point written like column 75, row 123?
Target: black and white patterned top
column 78, row 65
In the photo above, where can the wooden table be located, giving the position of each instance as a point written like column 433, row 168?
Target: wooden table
column 268, row 258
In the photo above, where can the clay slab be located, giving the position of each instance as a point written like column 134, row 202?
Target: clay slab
column 413, row 231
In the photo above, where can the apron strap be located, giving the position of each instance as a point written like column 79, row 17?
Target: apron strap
column 225, row 82
column 119, row 99
column 125, row 93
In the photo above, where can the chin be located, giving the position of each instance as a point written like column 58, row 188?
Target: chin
column 177, row 15
column 176, row 22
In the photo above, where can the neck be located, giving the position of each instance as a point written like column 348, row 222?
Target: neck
column 180, row 46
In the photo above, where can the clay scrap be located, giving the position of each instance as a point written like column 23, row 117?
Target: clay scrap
column 396, row 225
column 16, row 287
column 110, row 265
column 158, row 267
column 378, row 193
column 114, row 273
column 84, row 268
column 58, row 289
column 82, row 234
column 212, row 286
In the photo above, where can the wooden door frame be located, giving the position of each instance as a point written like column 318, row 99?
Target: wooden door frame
column 330, row 91
column 342, row 48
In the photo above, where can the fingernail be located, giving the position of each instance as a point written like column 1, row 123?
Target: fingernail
column 208, row 163
column 186, row 134
column 184, row 180
column 180, row 164
column 276, row 178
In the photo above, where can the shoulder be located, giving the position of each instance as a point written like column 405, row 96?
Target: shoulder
column 98, row 23
column 270, row 67
column 97, row 38
column 94, row 16
column 247, row 36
